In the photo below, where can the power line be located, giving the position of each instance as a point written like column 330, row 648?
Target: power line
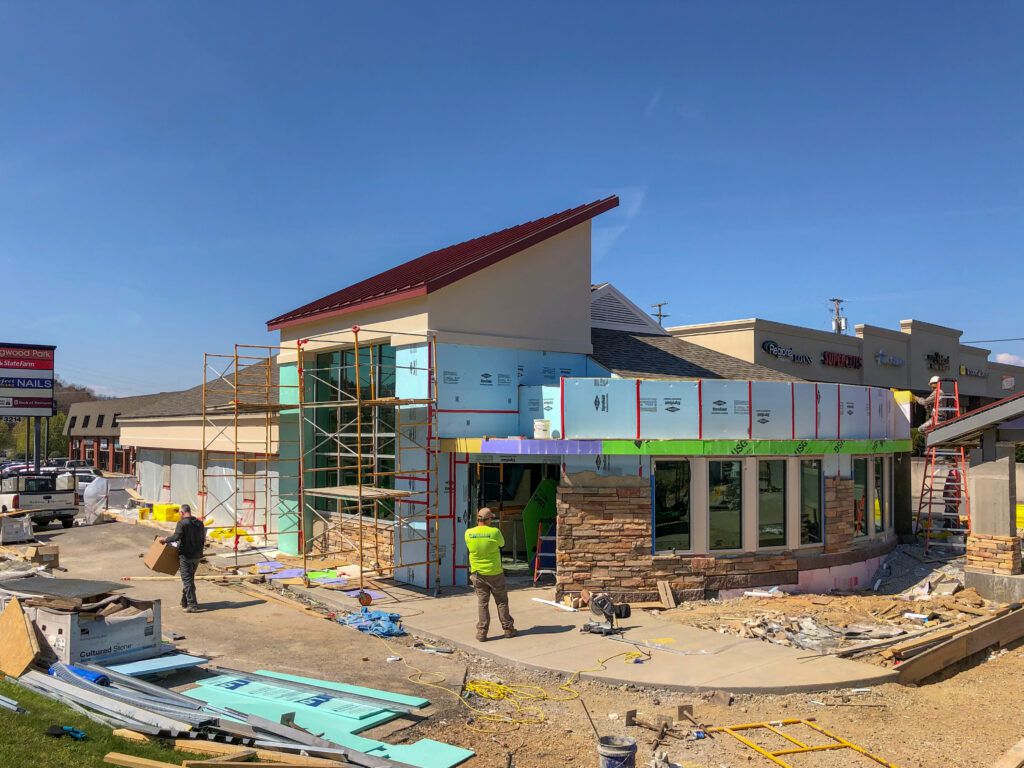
column 990, row 341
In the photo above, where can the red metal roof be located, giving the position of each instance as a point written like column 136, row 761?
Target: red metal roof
column 437, row 269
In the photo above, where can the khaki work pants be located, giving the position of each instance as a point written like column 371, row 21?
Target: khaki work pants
column 485, row 586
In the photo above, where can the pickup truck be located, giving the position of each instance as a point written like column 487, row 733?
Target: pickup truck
column 39, row 496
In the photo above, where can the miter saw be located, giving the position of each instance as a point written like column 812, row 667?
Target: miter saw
column 608, row 610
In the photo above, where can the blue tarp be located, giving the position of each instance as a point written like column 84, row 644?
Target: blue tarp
column 379, row 623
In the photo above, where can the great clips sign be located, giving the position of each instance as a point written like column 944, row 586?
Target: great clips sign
column 26, row 380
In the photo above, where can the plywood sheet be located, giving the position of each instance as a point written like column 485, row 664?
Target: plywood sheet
column 18, row 648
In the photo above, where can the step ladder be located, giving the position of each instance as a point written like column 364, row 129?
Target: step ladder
column 944, row 506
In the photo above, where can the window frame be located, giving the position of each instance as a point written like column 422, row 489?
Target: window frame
column 711, row 549
column 821, row 503
column 868, row 496
column 878, row 484
column 690, row 500
column 85, row 421
column 785, row 504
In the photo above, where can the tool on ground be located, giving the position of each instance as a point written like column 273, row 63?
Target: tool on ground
column 799, row 747
column 587, row 713
column 944, row 506
column 663, row 728
column 59, row 731
column 603, row 606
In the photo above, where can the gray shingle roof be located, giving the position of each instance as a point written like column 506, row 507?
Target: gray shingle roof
column 650, row 356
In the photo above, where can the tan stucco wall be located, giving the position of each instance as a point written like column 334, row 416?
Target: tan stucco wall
column 186, row 434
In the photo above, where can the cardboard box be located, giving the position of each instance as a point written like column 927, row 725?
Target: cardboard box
column 162, row 558
column 74, row 637
column 42, row 554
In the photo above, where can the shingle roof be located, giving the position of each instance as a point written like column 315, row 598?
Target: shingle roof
column 108, row 409
column 443, row 267
column 651, row 356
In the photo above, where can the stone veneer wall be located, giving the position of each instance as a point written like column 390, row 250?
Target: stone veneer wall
column 604, row 544
column 344, row 539
column 993, row 554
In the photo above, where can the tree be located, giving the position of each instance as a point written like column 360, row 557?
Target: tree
column 58, row 445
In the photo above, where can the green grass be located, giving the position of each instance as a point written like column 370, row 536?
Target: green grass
column 23, row 739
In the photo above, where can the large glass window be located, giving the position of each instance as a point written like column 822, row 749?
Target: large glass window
column 860, row 496
column 671, row 505
column 771, row 503
column 337, row 436
column 725, row 504
column 881, row 503
column 810, row 502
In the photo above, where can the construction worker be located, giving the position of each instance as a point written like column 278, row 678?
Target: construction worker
column 928, row 403
column 190, row 536
column 484, row 543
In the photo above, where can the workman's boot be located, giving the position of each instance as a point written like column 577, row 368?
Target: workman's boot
column 481, row 637
column 511, row 632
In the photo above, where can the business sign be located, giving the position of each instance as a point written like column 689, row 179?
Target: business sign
column 882, row 358
column 841, row 360
column 937, row 361
column 26, row 380
column 785, row 353
column 978, row 372
column 1009, row 382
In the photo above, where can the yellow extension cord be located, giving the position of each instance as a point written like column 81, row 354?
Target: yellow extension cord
column 524, row 712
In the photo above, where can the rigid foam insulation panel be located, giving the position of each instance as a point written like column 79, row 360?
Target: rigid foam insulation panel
column 540, row 402
column 901, row 410
column 828, row 412
column 668, row 409
column 412, row 371
column 854, row 413
column 725, row 411
column 608, row 466
column 548, row 368
column 596, row 408
column 773, row 410
column 805, row 411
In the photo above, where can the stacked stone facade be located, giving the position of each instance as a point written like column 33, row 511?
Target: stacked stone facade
column 343, row 539
column 839, row 523
column 604, row 545
column 987, row 553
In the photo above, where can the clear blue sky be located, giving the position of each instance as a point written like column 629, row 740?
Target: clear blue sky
column 174, row 174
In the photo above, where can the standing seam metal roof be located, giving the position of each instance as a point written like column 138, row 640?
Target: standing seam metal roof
column 443, row 267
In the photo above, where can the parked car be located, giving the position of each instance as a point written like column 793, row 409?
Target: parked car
column 83, row 477
column 39, row 497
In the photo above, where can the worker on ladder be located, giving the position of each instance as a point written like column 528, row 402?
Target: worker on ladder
column 928, row 403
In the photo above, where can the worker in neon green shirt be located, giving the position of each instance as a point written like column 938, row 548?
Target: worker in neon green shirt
column 484, row 543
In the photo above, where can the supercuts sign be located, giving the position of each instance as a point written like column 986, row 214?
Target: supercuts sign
column 26, row 380
column 841, row 360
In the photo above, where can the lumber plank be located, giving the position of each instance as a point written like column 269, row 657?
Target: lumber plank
column 131, row 761
column 239, row 757
column 1000, row 631
column 18, row 647
column 941, row 634
column 1012, row 758
column 231, row 751
column 665, row 590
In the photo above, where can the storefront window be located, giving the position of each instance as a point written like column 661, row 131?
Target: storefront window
column 881, row 503
column 860, row 494
column 771, row 503
column 671, row 505
column 725, row 504
column 810, row 502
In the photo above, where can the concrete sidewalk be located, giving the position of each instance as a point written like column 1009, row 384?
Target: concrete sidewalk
column 549, row 639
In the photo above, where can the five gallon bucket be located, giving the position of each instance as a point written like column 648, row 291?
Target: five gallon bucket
column 616, row 752
column 542, row 429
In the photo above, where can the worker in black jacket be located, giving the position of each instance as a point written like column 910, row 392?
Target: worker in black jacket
column 190, row 536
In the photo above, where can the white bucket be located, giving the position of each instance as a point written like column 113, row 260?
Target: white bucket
column 542, row 429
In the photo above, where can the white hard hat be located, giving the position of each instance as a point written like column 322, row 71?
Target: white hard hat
column 933, row 380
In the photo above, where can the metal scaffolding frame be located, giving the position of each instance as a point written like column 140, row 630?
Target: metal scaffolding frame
column 368, row 425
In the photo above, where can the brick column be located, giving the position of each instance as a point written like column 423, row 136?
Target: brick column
column 838, row 514
column 994, row 554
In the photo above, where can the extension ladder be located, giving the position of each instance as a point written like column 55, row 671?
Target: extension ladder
column 944, row 506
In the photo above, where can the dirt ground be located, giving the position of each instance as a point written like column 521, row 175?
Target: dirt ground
column 964, row 719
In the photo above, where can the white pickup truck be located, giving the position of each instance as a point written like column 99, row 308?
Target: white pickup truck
column 44, row 497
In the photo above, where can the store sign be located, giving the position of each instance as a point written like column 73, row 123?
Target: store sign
column 881, row 358
column 978, row 372
column 26, row 380
column 937, row 361
column 841, row 360
column 785, row 353
column 1009, row 382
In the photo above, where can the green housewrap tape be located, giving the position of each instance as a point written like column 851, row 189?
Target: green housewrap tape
column 750, row 447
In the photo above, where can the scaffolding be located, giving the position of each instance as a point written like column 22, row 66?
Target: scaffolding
column 355, row 464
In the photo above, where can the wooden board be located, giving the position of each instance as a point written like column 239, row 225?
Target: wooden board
column 130, row 761
column 1012, row 758
column 667, row 598
column 204, row 747
column 999, row 631
column 240, row 756
column 18, row 646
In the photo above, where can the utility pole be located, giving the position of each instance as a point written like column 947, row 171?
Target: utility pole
column 659, row 312
column 838, row 319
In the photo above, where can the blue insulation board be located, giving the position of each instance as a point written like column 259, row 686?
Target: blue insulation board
column 540, row 402
column 159, row 665
column 336, row 720
column 599, row 408
column 397, row 698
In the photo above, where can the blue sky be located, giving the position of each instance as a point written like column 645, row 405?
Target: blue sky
column 174, row 174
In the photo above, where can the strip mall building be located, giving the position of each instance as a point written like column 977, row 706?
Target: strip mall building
column 666, row 460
